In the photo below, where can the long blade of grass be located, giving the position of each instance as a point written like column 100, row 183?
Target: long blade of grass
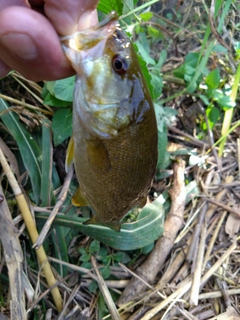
column 132, row 236
column 46, row 182
column 30, row 151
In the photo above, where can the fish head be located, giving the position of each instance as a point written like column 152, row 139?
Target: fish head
column 109, row 85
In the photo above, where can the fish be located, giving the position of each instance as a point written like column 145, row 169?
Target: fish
column 114, row 142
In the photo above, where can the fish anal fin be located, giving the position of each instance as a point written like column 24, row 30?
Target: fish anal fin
column 79, row 199
column 69, row 155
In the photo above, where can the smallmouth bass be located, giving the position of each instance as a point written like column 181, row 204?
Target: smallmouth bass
column 114, row 146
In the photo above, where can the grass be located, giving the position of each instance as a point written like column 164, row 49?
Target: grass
column 179, row 256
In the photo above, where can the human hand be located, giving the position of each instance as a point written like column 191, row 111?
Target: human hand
column 29, row 35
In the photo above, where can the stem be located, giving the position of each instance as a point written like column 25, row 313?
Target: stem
column 229, row 113
column 30, row 224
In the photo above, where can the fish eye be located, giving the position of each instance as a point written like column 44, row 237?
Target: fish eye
column 120, row 64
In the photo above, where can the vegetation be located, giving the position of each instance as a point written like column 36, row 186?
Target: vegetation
column 189, row 52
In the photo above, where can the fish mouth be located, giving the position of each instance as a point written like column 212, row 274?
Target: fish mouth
column 86, row 39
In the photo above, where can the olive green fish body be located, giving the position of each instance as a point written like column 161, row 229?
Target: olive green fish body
column 114, row 125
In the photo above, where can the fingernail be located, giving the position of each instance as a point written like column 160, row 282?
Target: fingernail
column 21, row 45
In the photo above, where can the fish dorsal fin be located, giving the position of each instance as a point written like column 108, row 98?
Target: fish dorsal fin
column 69, row 155
column 79, row 199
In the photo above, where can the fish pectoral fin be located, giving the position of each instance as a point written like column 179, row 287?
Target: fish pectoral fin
column 98, row 155
column 79, row 199
column 69, row 155
column 116, row 226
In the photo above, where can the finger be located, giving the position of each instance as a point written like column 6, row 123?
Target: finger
column 6, row 3
column 31, row 45
column 68, row 16
column 4, row 69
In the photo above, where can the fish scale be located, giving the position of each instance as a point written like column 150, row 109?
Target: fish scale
column 115, row 130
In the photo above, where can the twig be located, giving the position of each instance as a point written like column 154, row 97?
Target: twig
column 219, row 196
column 218, row 294
column 185, row 286
column 224, row 206
column 174, row 297
column 137, row 276
column 105, row 292
column 150, row 268
column 219, row 262
column 199, row 143
column 74, row 267
column 39, row 298
column 214, row 237
column 198, row 267
column 53, row 214
column 71, row 297
column 196, row 234
column 30, row 224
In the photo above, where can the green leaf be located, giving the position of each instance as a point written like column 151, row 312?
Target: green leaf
column 187, row 69
column 93, row 286
column 60, row 247
column 85, row 257
column 94, row 246
column 52, row 101
column 162, row 59
column 146, row 16
column 213, row 115
column 226, row 102
column 105, row 271
column 145, row 72
column 219, row 48
column 29, row 150
column 86, row 265
column 144, row 54
column 154, row 33
column 107, row 6
column 162, row 146
column 204, row 99
column 122, row 257
column 157, row 84
column 102, row 252
column 147, row 249
column 62, row 89
column 128, row 6
column 62, row 125
column 102, row 308
column 213, row 79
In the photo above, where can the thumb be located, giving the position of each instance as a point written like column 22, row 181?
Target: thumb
column 68, row 16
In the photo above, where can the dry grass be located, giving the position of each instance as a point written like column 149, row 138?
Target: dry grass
column 193, row 270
